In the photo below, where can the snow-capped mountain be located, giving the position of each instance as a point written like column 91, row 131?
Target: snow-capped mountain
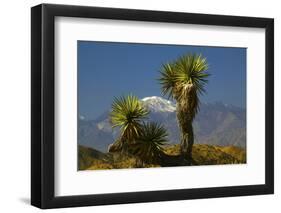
column 158, row 104
column 216, row 123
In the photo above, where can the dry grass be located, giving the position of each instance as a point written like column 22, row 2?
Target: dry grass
column 203, row 154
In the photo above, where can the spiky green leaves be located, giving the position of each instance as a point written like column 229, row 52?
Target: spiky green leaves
column 127, row 113
column 168, row 79
column 183, row 80
column 149, row 145
column 189, row 69
column 143, row 139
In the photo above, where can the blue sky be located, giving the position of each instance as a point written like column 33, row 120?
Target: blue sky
column 110, row 69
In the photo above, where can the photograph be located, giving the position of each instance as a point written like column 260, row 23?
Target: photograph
column 133, row 105
column 146, row 105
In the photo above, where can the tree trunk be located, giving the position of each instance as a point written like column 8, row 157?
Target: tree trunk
column 139, row 163
column 187, row 141
column 187, row 136
column 190, row 143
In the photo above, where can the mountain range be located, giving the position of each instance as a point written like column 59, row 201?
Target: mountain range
column 215, row 124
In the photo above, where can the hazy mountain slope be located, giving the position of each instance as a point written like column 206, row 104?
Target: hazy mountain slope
column 91, row 134
column 215, row 123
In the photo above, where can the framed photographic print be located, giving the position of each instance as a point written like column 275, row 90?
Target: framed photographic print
column 139, row 106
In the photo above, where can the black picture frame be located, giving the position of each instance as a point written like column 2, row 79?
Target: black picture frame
column 43, row 102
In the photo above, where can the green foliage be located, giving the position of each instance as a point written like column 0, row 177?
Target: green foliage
column 144, row 140
column 149, row 145
column 128, row 113
column 188, row 69
column 184, row 79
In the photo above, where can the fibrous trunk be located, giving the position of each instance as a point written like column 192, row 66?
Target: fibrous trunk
column 187, row 137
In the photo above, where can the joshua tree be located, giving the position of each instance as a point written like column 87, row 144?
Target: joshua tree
column 127, row 114
column 183, row 80
column 149, row 145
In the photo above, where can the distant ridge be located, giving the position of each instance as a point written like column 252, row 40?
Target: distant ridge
column 215, row 124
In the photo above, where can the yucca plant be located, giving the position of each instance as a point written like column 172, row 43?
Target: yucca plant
column 127, row 114
column 183, row 80
column 149, row 145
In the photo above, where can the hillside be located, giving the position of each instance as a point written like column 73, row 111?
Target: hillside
column 203, row 154
column 88, row 156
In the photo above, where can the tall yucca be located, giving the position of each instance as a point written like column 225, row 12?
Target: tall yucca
column 184, row 80
column 127, row 114
column 149, row 145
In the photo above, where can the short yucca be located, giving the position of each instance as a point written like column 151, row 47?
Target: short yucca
column 127, row 114
column 149, row 145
